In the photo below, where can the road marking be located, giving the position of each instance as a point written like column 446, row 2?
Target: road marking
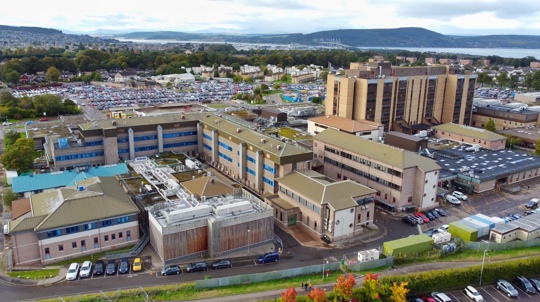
column 502, row 294
column 454, row 296
column 491, row 295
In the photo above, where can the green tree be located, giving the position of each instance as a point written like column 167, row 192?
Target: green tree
column 257, row 91
column 512, row 142
column 8, row 196
column 528, row 80
column 19, row 156
column 249, row 80
column 370, row 288
column 10, row 138
column 490, row 125
column 324, row 75
column 284, row 78
column 11, row 76
column 277, row 86
column 502, row 79
column 237, row 79
column 264, row 87
column 52, row 74
column 49, row 104
column 537, row 148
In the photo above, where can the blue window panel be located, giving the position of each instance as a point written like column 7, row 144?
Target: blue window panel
column 179, row 144
column 54, row 233
column 126, row 150
column 225, row 146
column 269, row 181
column 106, row 223
column 269, row 169
column 96, row 143
column 72, row 230
column 251, row 159
column 223, row 155
column 179, row 134
column 207, row 147
column 251, row 171
column 145, row 138
column 145, row 148
column 122, row 219
column 122, row 140
column 208, row 137
column 90, row 226
column 79, row 156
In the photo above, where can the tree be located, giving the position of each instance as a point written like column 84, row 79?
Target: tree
column 264, row 87
column 19, row 156
column 237, row 79
column 10, row 138
column 324, row 75
column 284, row 78
column 370, row 288
column 399, row 291
column 343, row 289
column 490, row 125
column 316, row 100
column 276, row 86
column 289, row 295
column 512, row 141
column 317, row 295
column 8, row 196
column 502, row 79
column 53, row 74
column 537, row 148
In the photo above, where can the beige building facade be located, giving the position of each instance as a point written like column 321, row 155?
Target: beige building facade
column 471, row 135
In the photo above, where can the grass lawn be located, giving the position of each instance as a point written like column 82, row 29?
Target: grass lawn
column 217, row 106
column 40, row 274
column 293, row 134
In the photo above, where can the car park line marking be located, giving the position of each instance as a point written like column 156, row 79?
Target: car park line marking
column 522, row 291
column 453, row 296
column 501, row 293
column 485, row 291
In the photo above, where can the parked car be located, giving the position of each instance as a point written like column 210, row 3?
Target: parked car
column 7, row 123
column 124, row 266
column 524, row 284
column 453, row 200
column 506, row 288
column 427, row 298
column 435, row 214
column 440, row 297
column 409, row 220
column 528, row 212
column 268, row 257
column 223, row 263
column 473, row 294
column 441, row 212
column 428, row 215
column 137, row 265
column 29, row 123
column 197, row 267
column 443, row 228
column 515, row 216
column 535, row 283
column 414, row 299
column 72, row 272
column 43, row 119
column 431, row 232
column 171, row 270
column 420, row 215
column 460, row 195
column 532, row 204
column 99, row 268
column 110, row 269
column 417, row 219
column 86, row 269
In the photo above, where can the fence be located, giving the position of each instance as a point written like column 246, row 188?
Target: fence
column 491, row 246
column 366, row 265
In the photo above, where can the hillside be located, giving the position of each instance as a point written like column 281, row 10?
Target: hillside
column 394, row 37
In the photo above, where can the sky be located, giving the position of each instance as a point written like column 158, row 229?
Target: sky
column 451, row 17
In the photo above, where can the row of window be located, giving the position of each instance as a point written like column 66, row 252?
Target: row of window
column 94, row 143
column 79, row 156
column 251, row 159
column 363, row 174
column 364, row 161
column 251, row 171
column 154, row 137
column 207, row 147
column 269, row 181
column 179, row 144
column 221, row 144
column 207, row 136
column 269, row 169
column 86, row 227
column 145, row 138
column 225, row 156
column 83, row 243
column 179, row 134
column 301, row 200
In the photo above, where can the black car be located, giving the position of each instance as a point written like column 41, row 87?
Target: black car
column 528, row 212
column 124, row 267
column 429, row 215
column 99, row 268
column 171, row 270
column 414, row 299
column 224, row 263
column 435, row 214
column 441, row 212
column 408, row 220
column 524, row 284
column 197, row 267
column 111, row 268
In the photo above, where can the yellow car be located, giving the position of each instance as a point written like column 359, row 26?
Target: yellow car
column 137, row 265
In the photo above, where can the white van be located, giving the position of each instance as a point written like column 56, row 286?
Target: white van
column 453, row 200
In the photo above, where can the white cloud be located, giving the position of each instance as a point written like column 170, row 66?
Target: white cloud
column 278, row 16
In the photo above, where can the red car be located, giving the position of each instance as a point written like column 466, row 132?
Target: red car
column 427, row 299
column 43, row 119
column 422, row 216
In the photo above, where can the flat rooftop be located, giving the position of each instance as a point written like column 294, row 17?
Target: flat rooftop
column 528, row 134
column 484, row 165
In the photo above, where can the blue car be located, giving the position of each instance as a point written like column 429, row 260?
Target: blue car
column 29, row 123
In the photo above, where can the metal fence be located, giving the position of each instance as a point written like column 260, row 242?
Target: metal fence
column 362, row 266
column 491, row 246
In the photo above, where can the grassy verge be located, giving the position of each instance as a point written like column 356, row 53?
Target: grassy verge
column 41, row 274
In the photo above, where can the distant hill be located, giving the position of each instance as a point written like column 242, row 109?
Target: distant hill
column 37, row 30
column 394, row 37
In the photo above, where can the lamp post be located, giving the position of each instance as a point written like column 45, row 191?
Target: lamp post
column 482, row 269
column 249, row 240
column 323, row 263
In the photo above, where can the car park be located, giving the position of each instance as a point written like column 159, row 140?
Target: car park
column 123, row 268
column 137, row 265
column 223, row 263
column 473, row 294
column 440, row 297
column 460, row 196
column 197, row 267
column 72, row 272
column 422, row 216
column 99, row 268
column 110, row 269
column 171, row 270
column 506, row 288
column 409, row 220
column 524, row 284
column 532, row 204
column 453, row 200
column 86, row 269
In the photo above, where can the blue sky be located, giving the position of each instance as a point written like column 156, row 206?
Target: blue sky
column 476, row 17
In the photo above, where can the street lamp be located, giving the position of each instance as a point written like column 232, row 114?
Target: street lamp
column 248, row 240
column 482, row 270
column 324, row 262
